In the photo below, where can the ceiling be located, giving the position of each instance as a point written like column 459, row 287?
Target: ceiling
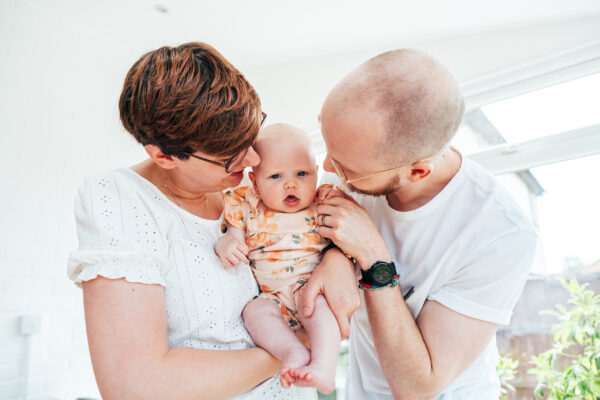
column 260, row 32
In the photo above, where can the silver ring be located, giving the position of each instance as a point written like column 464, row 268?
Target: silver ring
column 323, row 219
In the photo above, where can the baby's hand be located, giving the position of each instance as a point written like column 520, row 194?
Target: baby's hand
column 231, row 251
column 328, row 192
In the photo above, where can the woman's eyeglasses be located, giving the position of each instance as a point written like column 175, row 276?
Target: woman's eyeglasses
column 232, row 163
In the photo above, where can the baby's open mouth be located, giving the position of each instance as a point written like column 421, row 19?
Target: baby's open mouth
column 290, row 199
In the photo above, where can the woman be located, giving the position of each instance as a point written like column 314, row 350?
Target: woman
column 163, row 317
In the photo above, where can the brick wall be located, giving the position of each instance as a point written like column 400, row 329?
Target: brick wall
column 53, row 363
column 58, row 124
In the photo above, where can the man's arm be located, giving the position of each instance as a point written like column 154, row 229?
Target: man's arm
column 127, row 335
column 419, row 359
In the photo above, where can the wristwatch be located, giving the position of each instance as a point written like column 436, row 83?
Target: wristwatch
column 381, row 274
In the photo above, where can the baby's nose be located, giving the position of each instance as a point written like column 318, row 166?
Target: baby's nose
column 290, row 184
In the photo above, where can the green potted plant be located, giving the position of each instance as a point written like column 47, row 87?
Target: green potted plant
column 507, row 369
column 576, row 338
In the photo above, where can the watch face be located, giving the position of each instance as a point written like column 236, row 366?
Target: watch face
column 382, row 274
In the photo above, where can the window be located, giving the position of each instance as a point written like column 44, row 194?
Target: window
column 541, row 145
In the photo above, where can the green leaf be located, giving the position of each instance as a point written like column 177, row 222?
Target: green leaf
column 539, row 392
column 579, row 324
column 584, row 386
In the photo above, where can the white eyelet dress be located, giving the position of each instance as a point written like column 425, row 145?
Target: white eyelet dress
column 128, row 229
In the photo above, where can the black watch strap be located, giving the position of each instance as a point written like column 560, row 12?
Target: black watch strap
column 381, row 274
column 332, row 245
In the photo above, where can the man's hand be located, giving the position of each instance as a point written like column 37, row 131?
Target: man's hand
column 351, row 228
column 335, row 279
column 231, row 250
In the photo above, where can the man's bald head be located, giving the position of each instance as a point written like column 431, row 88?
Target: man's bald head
column 413, row 98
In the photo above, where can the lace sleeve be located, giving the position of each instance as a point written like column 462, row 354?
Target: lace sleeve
column 237, row 205
column 119, row 236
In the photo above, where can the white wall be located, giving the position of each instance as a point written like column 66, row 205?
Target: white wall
column 59, row 123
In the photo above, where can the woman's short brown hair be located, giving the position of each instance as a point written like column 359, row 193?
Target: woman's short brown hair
column 190, row 98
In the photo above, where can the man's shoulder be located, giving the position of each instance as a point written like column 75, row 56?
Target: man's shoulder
column 490, row 197
column 329, row 178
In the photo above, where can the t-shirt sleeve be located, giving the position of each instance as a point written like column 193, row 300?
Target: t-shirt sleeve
column 490, row 282
column 329, row 178
column 118, row 235
column 235, row 204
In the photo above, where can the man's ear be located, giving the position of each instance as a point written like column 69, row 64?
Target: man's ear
column 160, row 158
column 420, row 170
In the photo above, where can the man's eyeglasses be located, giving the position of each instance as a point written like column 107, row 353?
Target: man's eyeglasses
column 233, row 162
column 340, row 172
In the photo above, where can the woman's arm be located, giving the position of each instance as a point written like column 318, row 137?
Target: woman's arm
column 127, row 335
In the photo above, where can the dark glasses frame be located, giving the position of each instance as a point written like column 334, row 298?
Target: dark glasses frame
column 228, row 162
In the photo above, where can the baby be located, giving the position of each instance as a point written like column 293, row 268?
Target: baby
column 274, row 225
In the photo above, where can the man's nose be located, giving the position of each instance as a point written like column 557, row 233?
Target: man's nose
column 327, row 165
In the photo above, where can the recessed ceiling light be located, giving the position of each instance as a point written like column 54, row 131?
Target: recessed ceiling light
column 160, row 8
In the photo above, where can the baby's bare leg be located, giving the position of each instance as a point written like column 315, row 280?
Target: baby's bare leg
column 324, row 334
column 268, row 329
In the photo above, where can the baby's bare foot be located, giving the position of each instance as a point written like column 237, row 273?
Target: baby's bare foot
column 285, row 379
column 295, row 358
column 315, row 375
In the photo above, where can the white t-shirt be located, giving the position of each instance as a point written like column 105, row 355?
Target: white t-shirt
column 470, row 248
column 129, row 229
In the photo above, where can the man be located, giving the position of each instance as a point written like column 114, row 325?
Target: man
column 457, row 240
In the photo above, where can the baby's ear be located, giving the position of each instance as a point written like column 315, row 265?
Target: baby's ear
column 253, row 180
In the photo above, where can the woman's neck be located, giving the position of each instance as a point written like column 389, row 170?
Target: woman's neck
column 202, row 204
column 171, row 187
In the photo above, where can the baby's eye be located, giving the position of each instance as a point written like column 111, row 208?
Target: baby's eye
column 302, row 173
column 275, row 176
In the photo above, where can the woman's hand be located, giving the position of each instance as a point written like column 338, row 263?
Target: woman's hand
column 335, row 279
column 351, row 228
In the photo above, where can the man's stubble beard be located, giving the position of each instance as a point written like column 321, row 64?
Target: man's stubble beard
column 389, row 188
